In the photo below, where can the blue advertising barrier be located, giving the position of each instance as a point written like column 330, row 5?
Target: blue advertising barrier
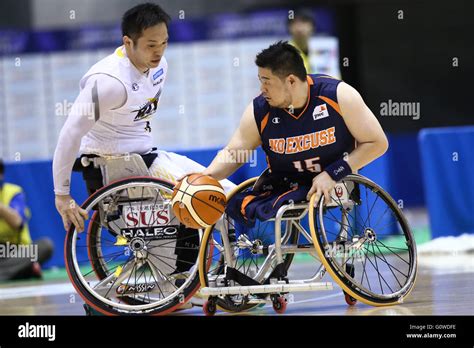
column 447, row 159
column 37, row 181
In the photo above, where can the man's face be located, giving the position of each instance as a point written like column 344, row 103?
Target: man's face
column 301, row 30
column 275, row 90
column 148, row 50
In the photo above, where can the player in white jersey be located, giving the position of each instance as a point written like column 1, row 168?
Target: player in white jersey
column 124, row 89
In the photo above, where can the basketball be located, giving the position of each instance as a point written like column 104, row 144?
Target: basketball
column 198, row 201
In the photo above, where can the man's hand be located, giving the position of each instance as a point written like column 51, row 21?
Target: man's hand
column 71, row 212
column 185, row 175
column 10, row 216
column 322, row 184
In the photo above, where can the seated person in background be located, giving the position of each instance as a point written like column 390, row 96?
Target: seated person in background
column 301, row 27
column 15, row 261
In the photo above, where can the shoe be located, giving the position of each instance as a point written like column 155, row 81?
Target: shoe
column 36, row 270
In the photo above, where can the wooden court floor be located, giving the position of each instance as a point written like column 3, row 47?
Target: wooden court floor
column 444, row 286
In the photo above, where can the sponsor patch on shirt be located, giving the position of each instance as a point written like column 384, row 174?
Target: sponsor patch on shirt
column 320, row 111
column 158, row 74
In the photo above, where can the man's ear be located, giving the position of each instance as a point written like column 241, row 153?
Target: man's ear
column 291, row 79
column 128, row 42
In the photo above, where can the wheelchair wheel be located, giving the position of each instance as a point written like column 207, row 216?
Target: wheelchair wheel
column 95, row 253
column 135, row 258
column 365, row 243
column 248, row 267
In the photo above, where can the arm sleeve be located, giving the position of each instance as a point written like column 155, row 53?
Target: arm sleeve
column 18, row 203
column 104, row 93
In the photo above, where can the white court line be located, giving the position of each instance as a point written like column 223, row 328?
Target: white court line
column 36, row 291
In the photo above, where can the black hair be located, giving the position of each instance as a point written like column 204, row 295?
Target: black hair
column 282, row 59
column 141, row 17
column 2, row 167
column 302, row 14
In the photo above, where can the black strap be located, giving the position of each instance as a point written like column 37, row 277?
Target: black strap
column 239, row 277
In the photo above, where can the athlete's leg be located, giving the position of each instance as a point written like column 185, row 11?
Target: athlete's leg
column 171, row 166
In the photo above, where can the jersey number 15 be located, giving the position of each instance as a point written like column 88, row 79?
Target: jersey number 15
column 310, row 164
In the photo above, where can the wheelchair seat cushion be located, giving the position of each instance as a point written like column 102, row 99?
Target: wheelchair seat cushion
column 93, row 176
column 246, row 207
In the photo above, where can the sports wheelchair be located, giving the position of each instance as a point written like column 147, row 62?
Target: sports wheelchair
column 134, row 258
column 361, row 239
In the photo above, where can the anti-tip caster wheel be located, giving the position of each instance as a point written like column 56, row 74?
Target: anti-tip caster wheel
column 351, row 301
column 209, row 308
column 279, row 304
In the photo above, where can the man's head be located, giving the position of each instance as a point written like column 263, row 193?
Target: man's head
column 145, row 34
column 301, row 26
column 281, row 72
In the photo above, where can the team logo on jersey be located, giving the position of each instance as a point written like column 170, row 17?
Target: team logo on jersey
column 276, row 120
column 146, row 111
column 305, row 142
column 158, row 74
column 135, row 87
column 158, row 82
column 320, row 111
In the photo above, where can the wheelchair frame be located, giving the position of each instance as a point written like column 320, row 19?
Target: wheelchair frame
column 279, row 284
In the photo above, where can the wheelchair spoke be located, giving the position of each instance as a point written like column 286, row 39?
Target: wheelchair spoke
column 392, row 268
column 156, row 280
column 170, row 242
column 365, row 271
column 361, row 224
column 368, row 215
column 392, row 247
column 381, row 216
column 116, row 278
column 379, row 273
column 377, row 269
column 389, row 248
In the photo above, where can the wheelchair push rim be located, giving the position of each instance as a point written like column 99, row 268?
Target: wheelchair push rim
column 367, row 246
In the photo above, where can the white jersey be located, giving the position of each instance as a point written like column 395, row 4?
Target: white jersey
column 125, row 129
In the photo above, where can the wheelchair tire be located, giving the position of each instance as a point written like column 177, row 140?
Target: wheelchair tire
column 356, row 289
column 167, row 305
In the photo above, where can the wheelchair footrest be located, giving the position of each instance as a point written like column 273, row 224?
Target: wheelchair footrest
column 266, row 289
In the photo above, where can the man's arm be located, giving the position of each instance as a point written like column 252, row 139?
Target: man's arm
column 364, row 127
column 15, row 214
column 11, row 217
column 103, row 93
column 245, row 138
column 366, row 130
column 108, row 93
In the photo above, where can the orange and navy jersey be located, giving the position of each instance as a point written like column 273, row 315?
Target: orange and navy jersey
column 304, row 143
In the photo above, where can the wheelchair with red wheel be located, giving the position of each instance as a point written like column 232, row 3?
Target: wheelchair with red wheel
column 134, row 257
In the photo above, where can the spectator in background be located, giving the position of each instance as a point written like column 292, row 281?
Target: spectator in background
column 301, row 27
column 14, row 232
